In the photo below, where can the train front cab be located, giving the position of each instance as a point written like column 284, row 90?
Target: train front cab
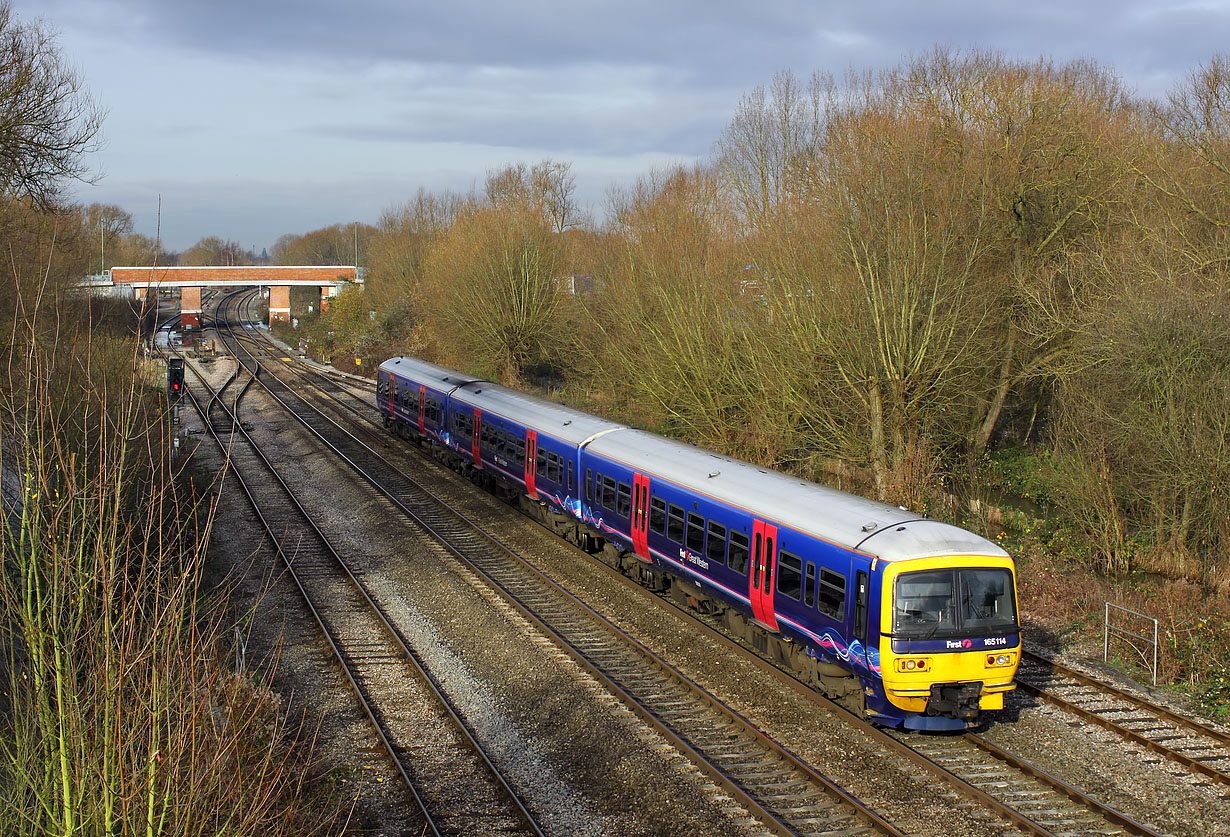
column 949, row 638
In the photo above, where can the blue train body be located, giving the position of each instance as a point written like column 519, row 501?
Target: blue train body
column 904, row 619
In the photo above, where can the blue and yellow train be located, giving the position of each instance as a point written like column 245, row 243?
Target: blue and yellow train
column 903, row 619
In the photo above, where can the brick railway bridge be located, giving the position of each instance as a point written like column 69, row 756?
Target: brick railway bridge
column 279, row 280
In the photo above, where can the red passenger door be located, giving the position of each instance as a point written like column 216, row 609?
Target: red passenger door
column 531, row 456
column 764, row 568
column 476, row 439
column 422, row 408
column 392, row 397
column 640, row 515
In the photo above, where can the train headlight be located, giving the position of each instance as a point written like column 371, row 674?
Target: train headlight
column 998, row 660
column 913, row 664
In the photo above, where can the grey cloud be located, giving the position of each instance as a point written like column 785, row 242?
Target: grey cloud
column 684, row 135
column 706, row 45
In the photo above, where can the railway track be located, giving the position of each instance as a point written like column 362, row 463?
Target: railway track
column 1199, row 747
column 778, row 789
column 1030, row 798
column 455, row 785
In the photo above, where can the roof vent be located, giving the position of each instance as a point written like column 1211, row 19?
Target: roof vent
column 867, row 527
column 713, row 474
column 900, row 528
column 568, row 422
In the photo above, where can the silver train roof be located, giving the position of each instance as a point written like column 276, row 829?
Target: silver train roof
column 555, row 419
column 545, row 416
column 440, row 377
column 847, row 520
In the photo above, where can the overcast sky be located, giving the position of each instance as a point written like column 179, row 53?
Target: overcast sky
column 255, row 118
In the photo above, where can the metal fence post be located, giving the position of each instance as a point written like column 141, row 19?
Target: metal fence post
column 1109, row 628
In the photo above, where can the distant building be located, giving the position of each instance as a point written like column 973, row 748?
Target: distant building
column 581, row 284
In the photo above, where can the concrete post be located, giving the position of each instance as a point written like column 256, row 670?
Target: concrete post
column 279, row 304
column 324, row 297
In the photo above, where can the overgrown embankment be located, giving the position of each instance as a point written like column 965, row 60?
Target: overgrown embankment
column 121, row 713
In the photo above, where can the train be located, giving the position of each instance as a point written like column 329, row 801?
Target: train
column 904, row 620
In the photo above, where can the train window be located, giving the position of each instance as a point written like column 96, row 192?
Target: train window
column 789, row 574
column 809, row 585
column 768, row 565
column 553, row 468
column 716, row 547
column 589, row 484
column 521, row 452
column 756, row 553
column 674, row 524
column 540, row 463
column 738, row 551
column 832, row 594
column 657, row 515
column 570, row 478
column 608, row 492
column 623, row 506
column 860, row 605
column 696, row 533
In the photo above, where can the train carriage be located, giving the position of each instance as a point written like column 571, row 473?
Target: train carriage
column 413, row 396
column 904, row 619
column 530, row 442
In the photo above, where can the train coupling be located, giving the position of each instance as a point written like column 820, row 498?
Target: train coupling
column 955, row 700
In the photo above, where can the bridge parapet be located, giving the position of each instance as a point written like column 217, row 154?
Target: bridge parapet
column 277, row 278
column 236, row 276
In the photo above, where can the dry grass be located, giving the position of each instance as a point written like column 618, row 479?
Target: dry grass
column 120, row 714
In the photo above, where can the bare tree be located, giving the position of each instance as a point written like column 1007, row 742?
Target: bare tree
column 212, row 251
column 48, row 123
column 546, row 187
column 109, row 226
column 764, row 154
column 491, row 291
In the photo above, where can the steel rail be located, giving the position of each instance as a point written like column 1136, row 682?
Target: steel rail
column 634, row 704
column 522, row 812
column 952, row 780
column 1134, row 737
column 1074, row 793
column 385, row 742
column 1136, row 700
column 1019, row 819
